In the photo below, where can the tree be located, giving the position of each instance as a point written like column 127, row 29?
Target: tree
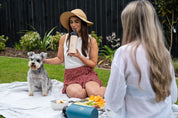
column 167, row 13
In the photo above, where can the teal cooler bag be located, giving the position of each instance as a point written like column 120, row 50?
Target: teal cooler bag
column 80, row 111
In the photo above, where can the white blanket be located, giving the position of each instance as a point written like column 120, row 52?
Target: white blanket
column 16, row 103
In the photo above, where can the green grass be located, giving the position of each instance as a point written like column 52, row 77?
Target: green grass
column 15, row 69
column 1, row 116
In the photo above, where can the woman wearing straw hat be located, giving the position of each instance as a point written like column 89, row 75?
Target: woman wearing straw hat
column 80, row 80
column 142, row 81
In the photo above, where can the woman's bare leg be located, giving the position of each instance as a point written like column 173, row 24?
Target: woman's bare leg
column 76, row 90
column 93, row 88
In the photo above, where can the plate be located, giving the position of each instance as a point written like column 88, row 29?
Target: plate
column 58, row 104
column 86, row 102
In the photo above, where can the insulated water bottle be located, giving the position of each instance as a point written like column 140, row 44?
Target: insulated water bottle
column 73, row 42
column 80, row 111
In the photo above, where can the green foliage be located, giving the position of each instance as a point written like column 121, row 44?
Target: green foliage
column 167, row 11
column 30, row 41
column 17, row 46
column 2, row 46
column 55, row 40
column 108, row 52
column 175, row 63
column 3, row 40
column 1, row 116
column 45, row 44
column 98, row 38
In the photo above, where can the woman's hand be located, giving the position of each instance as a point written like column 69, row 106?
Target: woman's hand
column 77, row 54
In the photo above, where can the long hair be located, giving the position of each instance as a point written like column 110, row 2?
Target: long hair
column 141, row 25
column 84, row 36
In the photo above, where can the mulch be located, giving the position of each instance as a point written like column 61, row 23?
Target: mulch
column 12, row 52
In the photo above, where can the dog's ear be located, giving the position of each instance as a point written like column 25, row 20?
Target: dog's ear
column 43, row 55
column 30, row 54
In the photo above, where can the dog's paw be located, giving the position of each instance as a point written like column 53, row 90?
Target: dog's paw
column 30, row 94
column 44, row 94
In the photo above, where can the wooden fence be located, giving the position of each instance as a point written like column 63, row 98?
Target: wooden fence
column 18, row 15
column 43, row 15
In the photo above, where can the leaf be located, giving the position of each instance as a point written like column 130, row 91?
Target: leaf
column 163, row 21
column 163, row 13
column 169, row 11
column 101, row 61
column 174, row 22
column 51, row 31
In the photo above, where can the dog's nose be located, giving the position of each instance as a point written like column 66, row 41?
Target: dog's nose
column 33, row 63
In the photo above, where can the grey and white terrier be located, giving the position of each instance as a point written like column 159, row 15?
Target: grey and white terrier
column 37, row 75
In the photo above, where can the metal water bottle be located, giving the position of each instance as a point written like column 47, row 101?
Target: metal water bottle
column 73, row 42
column 80, row 111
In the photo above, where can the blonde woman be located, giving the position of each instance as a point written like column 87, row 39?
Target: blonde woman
column 142, row 80
column 80, row 79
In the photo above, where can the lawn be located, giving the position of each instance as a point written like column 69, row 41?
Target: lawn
column 15, row 69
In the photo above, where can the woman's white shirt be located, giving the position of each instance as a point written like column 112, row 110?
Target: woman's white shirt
column 125, row 98
column 70, row 61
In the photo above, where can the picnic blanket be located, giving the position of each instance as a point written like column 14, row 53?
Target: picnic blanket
column 16, row 103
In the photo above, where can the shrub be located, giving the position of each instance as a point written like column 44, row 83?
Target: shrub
column 17, row 46
column 108, row 52
column 98, row 38
column 167, row 14
column 30, row 41
column 55, row 40
column 175, row 63
column 2, row 42
column 45, row 44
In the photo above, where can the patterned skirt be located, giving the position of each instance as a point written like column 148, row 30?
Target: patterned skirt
column 80, row 75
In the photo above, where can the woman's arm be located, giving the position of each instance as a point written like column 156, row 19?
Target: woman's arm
column 173, row 85
column 60, row 56
column 116, row 87
column 93, row 54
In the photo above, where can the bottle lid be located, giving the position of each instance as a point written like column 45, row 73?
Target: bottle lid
column 74, row 33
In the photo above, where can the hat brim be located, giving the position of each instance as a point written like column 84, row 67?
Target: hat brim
column 64, row 19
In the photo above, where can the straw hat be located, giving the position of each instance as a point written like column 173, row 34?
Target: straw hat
column 64, row 18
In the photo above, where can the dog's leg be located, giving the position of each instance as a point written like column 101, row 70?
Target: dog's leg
column 30, row 89
column 44, row 87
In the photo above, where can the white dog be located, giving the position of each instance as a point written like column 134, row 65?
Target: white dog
column 37, row 75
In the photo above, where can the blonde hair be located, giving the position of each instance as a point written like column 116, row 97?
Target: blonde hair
column 140, row 25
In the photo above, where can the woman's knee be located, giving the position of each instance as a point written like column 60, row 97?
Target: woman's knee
column 95, row 89
column 76, row 91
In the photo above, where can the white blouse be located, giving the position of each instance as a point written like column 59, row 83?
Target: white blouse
column 125, row 98
column 71, row 61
